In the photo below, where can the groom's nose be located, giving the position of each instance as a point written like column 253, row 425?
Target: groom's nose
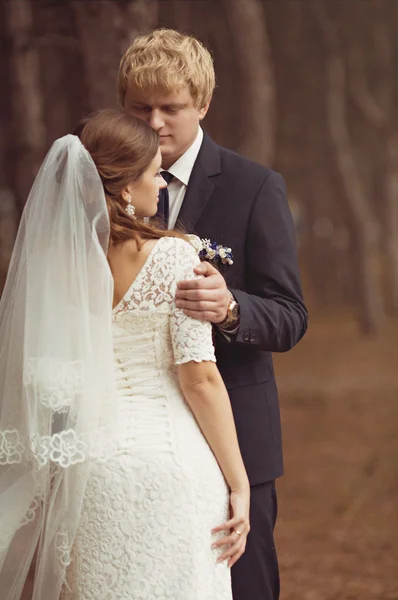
column 156, row 120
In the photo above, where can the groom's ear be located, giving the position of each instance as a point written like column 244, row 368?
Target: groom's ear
column 203, row 111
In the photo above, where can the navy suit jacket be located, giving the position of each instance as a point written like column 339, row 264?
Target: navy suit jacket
column 238, row 203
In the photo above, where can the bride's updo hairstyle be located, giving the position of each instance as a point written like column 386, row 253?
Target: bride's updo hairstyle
column 122, row 148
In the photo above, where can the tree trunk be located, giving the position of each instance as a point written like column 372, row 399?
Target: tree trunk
column 63, row 85
column 94, row 21
column 248, row 25
column 390, row 222
column 5, row 98
column 363, row 221
column 28, row 132
column 8, row 214
column 380, row 112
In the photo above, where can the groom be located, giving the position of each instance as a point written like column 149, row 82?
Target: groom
column 256, row 305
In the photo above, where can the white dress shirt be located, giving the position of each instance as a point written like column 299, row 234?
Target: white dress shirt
column 177, row 187
column 182, row 170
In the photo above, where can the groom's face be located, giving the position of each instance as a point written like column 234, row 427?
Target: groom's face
column 173, row 115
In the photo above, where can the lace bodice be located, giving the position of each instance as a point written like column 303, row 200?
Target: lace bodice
column 147, row 312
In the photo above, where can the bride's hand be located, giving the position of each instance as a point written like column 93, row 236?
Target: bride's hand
column 236, row 529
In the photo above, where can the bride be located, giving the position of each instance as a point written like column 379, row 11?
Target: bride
column 120, row 471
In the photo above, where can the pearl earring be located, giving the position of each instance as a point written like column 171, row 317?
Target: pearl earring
column 130, row 209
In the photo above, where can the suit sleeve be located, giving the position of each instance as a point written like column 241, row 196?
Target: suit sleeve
column 272, row 312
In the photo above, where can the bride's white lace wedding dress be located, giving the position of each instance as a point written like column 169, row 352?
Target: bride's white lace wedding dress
column 145, row 532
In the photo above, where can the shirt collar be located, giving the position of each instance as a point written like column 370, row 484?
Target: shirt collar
column 182, row 168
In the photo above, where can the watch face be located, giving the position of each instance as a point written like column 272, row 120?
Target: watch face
column 234, row 310
column 232, row 313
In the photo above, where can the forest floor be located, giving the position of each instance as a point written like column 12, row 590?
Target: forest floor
column 337, row 530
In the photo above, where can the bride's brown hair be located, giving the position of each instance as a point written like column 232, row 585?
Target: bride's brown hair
column 122, row 148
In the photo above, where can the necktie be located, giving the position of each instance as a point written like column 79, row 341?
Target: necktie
column 163, row 205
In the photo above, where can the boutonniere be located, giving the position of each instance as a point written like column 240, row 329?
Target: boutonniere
column 211, row 251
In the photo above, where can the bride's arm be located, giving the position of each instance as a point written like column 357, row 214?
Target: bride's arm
column 208, row 398
column 205, row 392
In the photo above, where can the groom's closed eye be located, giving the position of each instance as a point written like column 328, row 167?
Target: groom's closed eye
column 173, row 108
column 141, row 108
column 167, row 108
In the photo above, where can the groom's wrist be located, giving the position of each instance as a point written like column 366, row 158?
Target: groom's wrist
column 230, row 324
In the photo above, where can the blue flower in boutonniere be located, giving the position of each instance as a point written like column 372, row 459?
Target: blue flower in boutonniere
column 211, row 251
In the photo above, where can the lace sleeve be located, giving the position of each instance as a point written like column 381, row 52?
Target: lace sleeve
column 191, row 339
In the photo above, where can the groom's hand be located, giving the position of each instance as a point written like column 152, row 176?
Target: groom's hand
column 207, row 298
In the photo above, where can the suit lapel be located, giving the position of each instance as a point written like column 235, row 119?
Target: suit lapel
column 201, row 184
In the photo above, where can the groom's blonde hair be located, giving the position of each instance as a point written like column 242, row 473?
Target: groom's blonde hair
column 167, row 60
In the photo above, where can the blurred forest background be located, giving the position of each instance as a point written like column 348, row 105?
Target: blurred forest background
column 310, row 88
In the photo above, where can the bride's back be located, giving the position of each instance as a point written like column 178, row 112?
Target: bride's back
column 126, row 261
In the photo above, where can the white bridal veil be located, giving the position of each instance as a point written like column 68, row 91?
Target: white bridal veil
column 57, row 385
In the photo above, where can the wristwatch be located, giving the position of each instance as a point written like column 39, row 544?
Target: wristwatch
column 233, row 314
